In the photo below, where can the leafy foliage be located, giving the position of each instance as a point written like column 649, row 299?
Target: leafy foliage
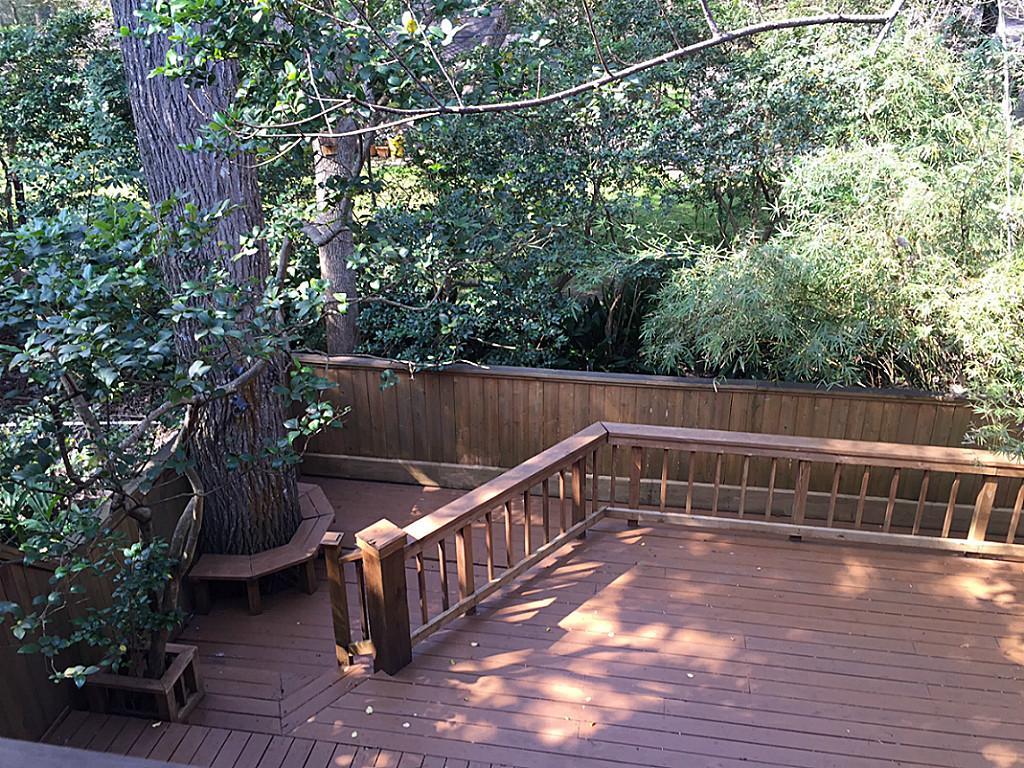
column 67, row 130
column 892, row 264
column 97, row 405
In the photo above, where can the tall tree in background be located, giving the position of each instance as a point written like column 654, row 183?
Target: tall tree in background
column 251, row 508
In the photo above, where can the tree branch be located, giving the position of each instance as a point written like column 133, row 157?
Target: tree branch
column 414, row 115
column 593, row 34
column 712, row 26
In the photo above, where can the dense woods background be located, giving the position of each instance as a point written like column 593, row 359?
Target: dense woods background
column 798, row 207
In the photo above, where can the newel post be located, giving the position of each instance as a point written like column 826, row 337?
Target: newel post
column 339, row 598
column 387, row 606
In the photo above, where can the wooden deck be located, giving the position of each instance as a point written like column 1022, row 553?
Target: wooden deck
column 653, row 646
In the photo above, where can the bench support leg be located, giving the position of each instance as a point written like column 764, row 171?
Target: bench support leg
column 201, row 597
column 252, row 592
column 307, row 577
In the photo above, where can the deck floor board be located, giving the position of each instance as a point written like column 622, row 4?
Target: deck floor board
column 653, row 646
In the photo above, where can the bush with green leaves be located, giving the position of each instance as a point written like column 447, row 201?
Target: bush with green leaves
column 895, row 263
column 98, row 408
column 67, row 128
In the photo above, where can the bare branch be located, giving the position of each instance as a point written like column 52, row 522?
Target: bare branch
column 383, row 41
column 712, row 26
column 433, row 53
column 593, row 34
column 414, row 115
column 668, row 23
column 894, row 10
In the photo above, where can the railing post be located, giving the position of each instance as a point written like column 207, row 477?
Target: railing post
column 387, row 606
column 339, row 597
column 464, row 563
column 983, row 509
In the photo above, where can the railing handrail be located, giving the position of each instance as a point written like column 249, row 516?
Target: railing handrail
column 907, row 456
column 506, row 486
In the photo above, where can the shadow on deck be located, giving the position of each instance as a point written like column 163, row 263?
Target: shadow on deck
column 654, row 646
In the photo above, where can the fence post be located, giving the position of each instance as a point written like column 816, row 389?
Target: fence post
column 387, row 606
column 339, row 597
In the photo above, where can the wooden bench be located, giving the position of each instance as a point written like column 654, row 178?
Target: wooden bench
column 301, row 551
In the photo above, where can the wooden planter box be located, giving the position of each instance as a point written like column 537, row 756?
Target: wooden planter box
column 171, row 698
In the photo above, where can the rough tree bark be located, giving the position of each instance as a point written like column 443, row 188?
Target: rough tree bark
column 338, row 162
column 254, row 508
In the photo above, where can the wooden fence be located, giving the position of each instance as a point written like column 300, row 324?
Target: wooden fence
column 29, row 701
column 459, row 427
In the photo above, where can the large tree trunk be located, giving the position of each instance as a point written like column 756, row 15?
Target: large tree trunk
column 255, row 507
column 338, row 160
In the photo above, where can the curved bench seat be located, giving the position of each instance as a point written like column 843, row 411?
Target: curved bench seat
column 300, row 551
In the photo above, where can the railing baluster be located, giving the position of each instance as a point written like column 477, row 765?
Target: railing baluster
column 611, row 478
column 947, row 523
column 636, row 462
column 771, row 489
column 803, row 483
column 983, row 509
column 562, row 520
column 509, row 559
column 464, row 563
column 743, row 486
column 689, row 482
column 831, row 517
column 718, row 484
column 442, row 559
column 545, row 508
column 421, row 580
column 664, row 480
column 489, row 543
column 921, row 500
column 1011, row 534
column 890, row 504
column 859, row 519
column 527, row 524
column 579, row 479
column 361, row 589
column 595, row 485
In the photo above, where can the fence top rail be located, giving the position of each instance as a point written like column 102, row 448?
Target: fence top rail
column 369, row 362
column 908, row 456
column 456, row 514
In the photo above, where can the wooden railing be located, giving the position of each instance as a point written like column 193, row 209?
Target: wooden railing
column 556, row 496
column 514, row 521
column 941, row 517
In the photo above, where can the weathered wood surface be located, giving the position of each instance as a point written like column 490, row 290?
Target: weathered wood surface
column 25, row 753
column 454, row 427
column 654, row 646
